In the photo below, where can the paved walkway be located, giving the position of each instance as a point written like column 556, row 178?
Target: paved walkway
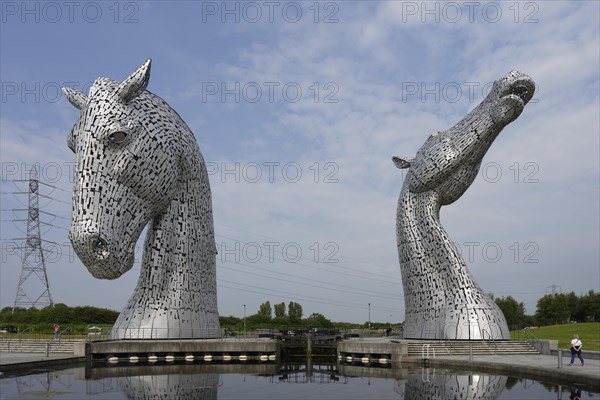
column 30, row 360
column 536, row 366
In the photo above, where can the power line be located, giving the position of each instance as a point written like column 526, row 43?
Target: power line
column 311, row 285
column 272, row 238
column 359, row 291
column 41, row 183
column 41, row 211
column 43, row 223
column 314, row 280
column 284, row 297
column 304, row 299
column 304, row 258
column 288, row 294
column 45, row 197
column 292, row 296
column 388, row 280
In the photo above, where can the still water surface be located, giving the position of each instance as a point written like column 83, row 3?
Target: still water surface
column 272, row 381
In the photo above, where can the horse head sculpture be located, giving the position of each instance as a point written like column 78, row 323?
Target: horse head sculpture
column 441, row 298
column 138, row 164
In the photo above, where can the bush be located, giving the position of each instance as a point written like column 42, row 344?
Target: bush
column 60, row 314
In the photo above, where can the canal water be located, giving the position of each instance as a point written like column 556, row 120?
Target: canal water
column 275, row 381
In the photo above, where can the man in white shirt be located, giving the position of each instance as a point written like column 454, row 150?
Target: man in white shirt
column 576, row 350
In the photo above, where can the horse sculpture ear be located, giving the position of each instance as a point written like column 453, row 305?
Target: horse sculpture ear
column 75, row 97
column 402, row 162
column 135, row 84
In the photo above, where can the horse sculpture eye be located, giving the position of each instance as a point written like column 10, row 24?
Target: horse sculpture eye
column 117, row 137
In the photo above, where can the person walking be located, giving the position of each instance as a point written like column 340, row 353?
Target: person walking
column 56, row 332
column 576, row 350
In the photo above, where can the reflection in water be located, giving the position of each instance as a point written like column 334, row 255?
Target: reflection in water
column 423, row 384
column 453, row 385
column 51, row 382
column 294, row 380
column 168, row 381
column 183, row 386
column 575, row 394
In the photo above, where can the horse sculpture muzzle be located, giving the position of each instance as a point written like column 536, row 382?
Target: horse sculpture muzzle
column 514, row 91
column 104, row 235
column 448, row 161
column 97, row 254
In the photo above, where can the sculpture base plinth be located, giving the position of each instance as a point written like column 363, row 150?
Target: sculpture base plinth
column 456, row 326
column 155, row 323
column 164, row 333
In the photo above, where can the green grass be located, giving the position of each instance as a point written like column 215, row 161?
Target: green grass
column 589, row 334
column 40, row 336
column 46, row 331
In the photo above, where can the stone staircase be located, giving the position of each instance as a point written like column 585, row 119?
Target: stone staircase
column 462, row 347
column 37, row 346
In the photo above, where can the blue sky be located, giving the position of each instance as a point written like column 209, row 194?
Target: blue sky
column 305, row 103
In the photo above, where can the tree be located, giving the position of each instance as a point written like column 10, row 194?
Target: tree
column 591, row 302
column 230, row 322
column 587, row 308
column 295, row 312
column 59, row 314
column 265, row 311
column 279, row 310
column 513, row 311
column 317, row 320
column 553, row 309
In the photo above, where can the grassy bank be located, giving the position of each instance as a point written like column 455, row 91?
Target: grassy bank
column 589, row 333
column 46, row 331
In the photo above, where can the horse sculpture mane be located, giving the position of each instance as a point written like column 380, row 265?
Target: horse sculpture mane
column 138, row 164
column 441, row 298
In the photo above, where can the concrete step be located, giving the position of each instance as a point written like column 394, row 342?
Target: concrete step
column 415, row 348
column 37, row 346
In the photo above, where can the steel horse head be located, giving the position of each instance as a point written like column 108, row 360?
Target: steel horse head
column 441, row 298
column 138, row 164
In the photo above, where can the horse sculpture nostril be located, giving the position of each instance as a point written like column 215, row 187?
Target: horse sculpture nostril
column 521, row 91
column 100, row 248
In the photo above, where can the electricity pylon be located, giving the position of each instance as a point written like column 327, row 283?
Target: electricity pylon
column 33, row 262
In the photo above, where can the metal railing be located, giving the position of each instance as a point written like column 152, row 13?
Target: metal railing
column 67, row 332
column 106, row 332
column 529, row 335
column 19, row 336
column 425, row 351
column 40, row 332
column 447, row 345
column 166, row 333
column 490, row 340
column 98, row 332
column 425, row 374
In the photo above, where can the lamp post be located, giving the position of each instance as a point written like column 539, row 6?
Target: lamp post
column 369, row 315
column 244, row 319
